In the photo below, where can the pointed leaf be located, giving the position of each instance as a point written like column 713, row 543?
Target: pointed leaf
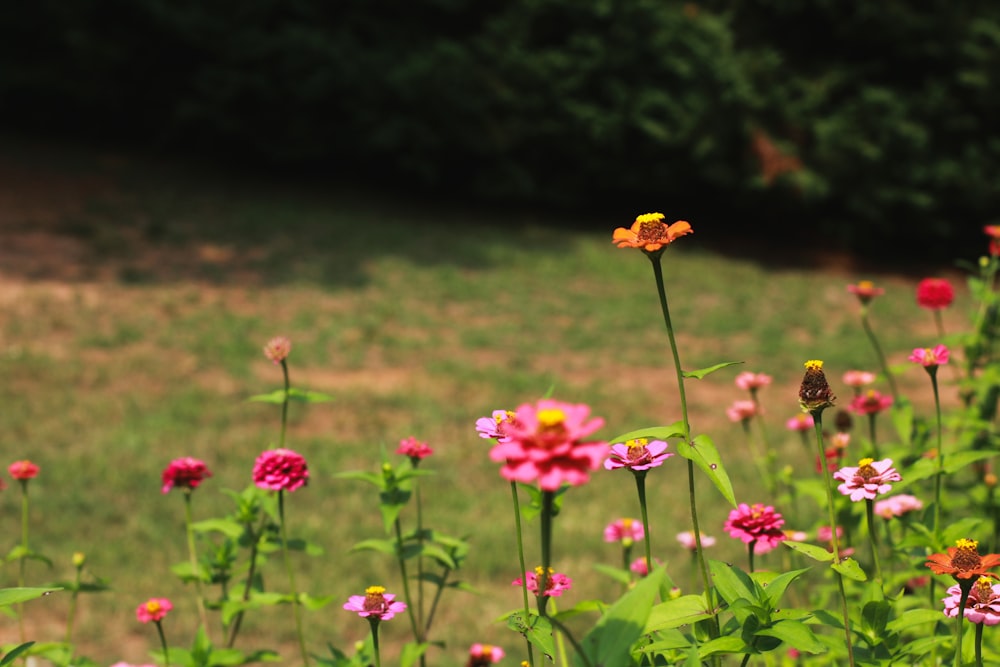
column 9, row 596
column 375, row 479
column 411, row 653
column 616, row 573
column 383, row 546
column 850, row 569
column 308, row 396
column 702, row 372
column 728, row 644
column 675, row 430
column 796, row 634
column 13, row 654
column 704, row 454
column 618, row 629
column 313, row 603
column 584, row 607
column 913, row 617
column 732, row 583
column 277, row 396
column 674, row 613
column 536, row 629
column 228, row 527
column 777, row 586
column 813, row 551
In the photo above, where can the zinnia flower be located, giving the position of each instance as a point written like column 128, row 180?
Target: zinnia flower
column 375, row 604
column 277, row 349
column 496, row 426
column 650, row 233
column 865, row 290
column 641, row 567
column 930, row 357
column 481, row 655
column 624, row 531
column 757, row 523
column 153, row 610
column 868, row 479
column 814, row 393
column 982, row 605
column 185, row 473
column 555, row 582
column 935, row 293
column 993, row 231
column 963, row 561
column 414, row 448
column 858, row 379
column 800, row 422
column 22, row 470
column 688, row 542
column 547, row 443
column 280, row 470
column 897, row 505
column 741, row 411
column 638, row 454
column 870, row 403
column 750, row 381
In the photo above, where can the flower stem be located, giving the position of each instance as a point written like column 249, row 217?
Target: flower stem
column 373, row 622
column 163, row 642
column 520, row 557
column 193, row 557
column 291, row 577
column 406, row 581
column 878, row 352
column 284, row 405
column 979, row 644
column 640, row 487
column 254, row 551
column 424, row 628
column 873, row 535
column 932, row 371
column 72, row 606
column 750, row 549
column 871, row 436
column 22, row 562
column 548, row 507
column 965, row 585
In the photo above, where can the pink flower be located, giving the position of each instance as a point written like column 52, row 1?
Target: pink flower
column 641, row 567
column 741, row 411
column 757, row 523
column 868, row 480
column 824, row 534
column 280, row 470
column 865, row 290
column 277, row 349
column 982, row 606
column 869, row 403
column 185, row 473
column 547, row 443
column 800, row 422
column 153, row 610
column 638, row 454
column 930, row 357
column 796, row 535
column 496, row 426
column 840, row 441
column 481, row 655
column 414, row 448
column 935, row 293
column 625, row 531
column 375, row 603
column 858, row 379
column 750, row 381
column 688, row 542
column 555, row 583
column 897, row 505
column 22, row 470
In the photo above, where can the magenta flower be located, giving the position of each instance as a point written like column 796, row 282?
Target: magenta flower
column 375, row 604
column 185, row 473
column 757, row 523
column 858, row 379
column 414, row 448
column 153, row 610
column 935, row 293
column 897, row 505
column 982, row 606
column 278, row 349
column 547, row 442
column 741, row 411
column 930, row 357
column 641, row 567
column 496, row 426
column 280, row 470
column 869, row 403
column 750, row 381
column 624, row 530
column 555, row 583
column 824, row 534
column 482, row 655
column 800, row 422
column 688, row 542
column 23, row 470
column 638, row 454
column 867, row 480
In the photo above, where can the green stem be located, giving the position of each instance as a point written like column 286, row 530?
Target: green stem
column 873, row 535
column 163, row 643
column 548, row 506
column 878, row 352
column 406, row 581
column 373, row 622
column 291, row 578
column 965, row 585
column 750, row 549
column 576, row 646
column 939, row 476
column 25, row 550
column 640, row 487
column 424, row 628
column 524, row 573
column 72, row 606
column 979, row 644
column 255, row 541
column 193, row 557
column 437, row 598
column 284, row 405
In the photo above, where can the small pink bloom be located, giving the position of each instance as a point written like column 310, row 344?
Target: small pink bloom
column 185, row 473
column 414, row 448
column 824, row 534
column 749, row 381
column 481, row 655
column 897, row 505
column 555, row 583
column 869, row 403
column 638, row 454
column 688, row 542
column 869, row 479
column 935, row 293
column 280, row 470
column 375, row 603
column 800, row 422
column 757, row 523
column 865, row 290
column 982, row 605
column 547, row 442
column 496, row 426
column 277, row 349
column 22, row 470
column 858, row 379
column 796, row 535
column 624, row 529
column 741, row 411
column 930, row 356
column 641, row 567
column 153, row 610
column 840, row 441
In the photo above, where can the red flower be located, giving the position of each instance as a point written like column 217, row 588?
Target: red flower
column 869, row 403
column 280, row 470
column 756, row 523
column 993, row 231
column 185, row 473
column 935, row 293
column 414, row 448
column 153, row 610
column 22, row 470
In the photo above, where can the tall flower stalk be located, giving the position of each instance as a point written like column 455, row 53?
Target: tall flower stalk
column 866, row 291
column 23, row 471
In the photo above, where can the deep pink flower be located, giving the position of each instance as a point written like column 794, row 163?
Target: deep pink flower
column 496, row 426
column 756, row 523
column 867, row 480
column 993, row 231
column 800, row 422
column 858, row 379
column 741, row 411
column 624, row 529
column 935, row 293
column 482, row 655
column 547, row 443
column 555, row 583
column 930, row 356
column 153, row 610
column 638, row 454
column 278, row 349
column 982, row 605
column 22, row 470
column 280, row 470
column 869, row 403
column 375, row 603
column 749, row 381
column 185, row 473
column 688, row 542
column 865, row 290
column 641, row 567
column 898, row 505
column 824, row 534
column 414, row 448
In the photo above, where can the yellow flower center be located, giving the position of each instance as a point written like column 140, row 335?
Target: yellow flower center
column 152, row 606
column 865, row 469
column 551, row 418
column 487, row 651
column 627, row 524
column 984, row 589
column 866, row 284
column 506, row 417
column 757, row 511
column 375, row 590
column 814, row 365
column 539, row 571
column 966, row 555
column 649, row 217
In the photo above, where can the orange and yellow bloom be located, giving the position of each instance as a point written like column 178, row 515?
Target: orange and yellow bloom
column 963, row 561
column 650, row 233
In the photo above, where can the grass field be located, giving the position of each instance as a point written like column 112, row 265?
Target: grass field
column 135, row 298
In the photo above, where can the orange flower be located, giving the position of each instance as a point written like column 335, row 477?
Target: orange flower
column 963, row 561
column 650, row 233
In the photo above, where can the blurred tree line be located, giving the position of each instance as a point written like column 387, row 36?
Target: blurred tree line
column 870, row 121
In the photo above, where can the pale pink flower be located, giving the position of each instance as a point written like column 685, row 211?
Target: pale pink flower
column 800, row 422
column 982, row 605
column 482, row 655
column 638, row 454
column 153, row 610
column 624, row 529
column 555, row 583
column 756, row 523
column 184, row 473
column 898, row 505
column 930, row 356
column 280, row 470
column 869, row 479
column 858, row 379
column 840, row 441
column 278, row 349
column 688, row 542
column 495, row 426
column 414, row 448
column 796, row 535
column 22, row 470
column 741, row 411
column 750, row 381
column 375, row 603
column 869, row 403
column 641, row 567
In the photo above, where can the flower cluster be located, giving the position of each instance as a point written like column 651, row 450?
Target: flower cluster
column 184, row 473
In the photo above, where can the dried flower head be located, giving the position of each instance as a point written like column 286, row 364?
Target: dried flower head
column 815, row 394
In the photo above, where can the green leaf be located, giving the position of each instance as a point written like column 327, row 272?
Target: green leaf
column 850, row 569
column 277, row 396
column 796, row 634
column 675, row 430
column 902, row 419
column 912, row 618
column 411, row 653
column 874, row 617
column 377, row 480
column 228, row 527
column 727, row 644
column 732, row 583
column 955, row 462
column 13, row 654
column 536, row 629
column 674, row 613
column 811, row 550
column 383, row 546
column 313, row 603
column 584, row 607
column 704, row 454
column 186, row 573
column 308, row 396
column 617, row 630
column 702, row 372
column 777, row 586
column 616, row 573
column 9, row 596
column 310, row 548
